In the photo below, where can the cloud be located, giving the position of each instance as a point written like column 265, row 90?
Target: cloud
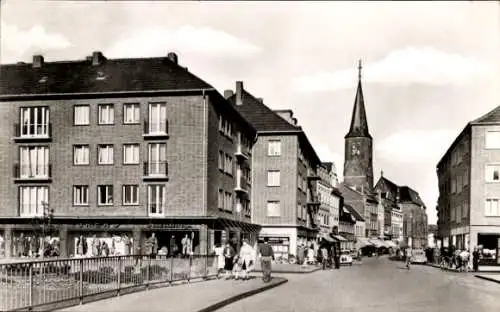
column 424, row 65
column 187, row 39
column 15, row 42
column 416, row 145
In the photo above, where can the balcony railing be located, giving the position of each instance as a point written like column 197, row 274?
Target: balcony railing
column 156, row 170
column 53, row 284
column 155, row 129
column 241, row 182
column 38, row 173
column 311, row 175
column 32, row 132
column 241, row 152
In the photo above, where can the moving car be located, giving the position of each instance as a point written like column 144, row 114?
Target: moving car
column 418, row 256
column 345, row 257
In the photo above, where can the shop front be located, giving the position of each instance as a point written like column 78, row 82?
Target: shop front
column 107, row 236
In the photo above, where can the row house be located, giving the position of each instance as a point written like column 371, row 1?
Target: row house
column 284, row 198
column 328, row 215
column 469, row 190
column 118, row 149
column 388, row 194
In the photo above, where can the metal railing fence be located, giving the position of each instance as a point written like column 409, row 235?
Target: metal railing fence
column 28, row 285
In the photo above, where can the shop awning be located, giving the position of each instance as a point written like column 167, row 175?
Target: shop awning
column 339, row 238
column 391, row 244
column 362, row 242
column 377, row 242
column 327, row 238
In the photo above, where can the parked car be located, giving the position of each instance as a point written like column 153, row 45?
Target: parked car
column 418, row 256
column 345, row 257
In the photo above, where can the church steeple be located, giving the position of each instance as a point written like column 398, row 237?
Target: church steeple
column 358, row 160
column 359, row 123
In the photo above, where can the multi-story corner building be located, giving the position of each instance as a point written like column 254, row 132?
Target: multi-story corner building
column 408, row 216
column 284, row 174
column 347, row 227
column 366, row 205
column 469, row 189
column 118, row 149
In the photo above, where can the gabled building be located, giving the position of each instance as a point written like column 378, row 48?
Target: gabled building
column 119, row 149
column 347, row 227
column 406, row 202
column 469, row 189
column 388, row 193
column 329, row 208
column 284, row 174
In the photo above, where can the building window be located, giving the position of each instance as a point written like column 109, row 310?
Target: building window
column 106, row 114
column 130, row 194
column 156, row 200
column 492, row 208
column 35, row 121
column 131, row 113
column 221, row 160
column 80, row 195
column 130, row 154
column 105, row 195
column 273, row 209
column 493, row 139
column 225, row 127
column 228, row 164
column 273, row 178
column 157, row 156
column 157, row 118
column 220, row 200
column 81, row 116
column 106, row 154
column 274, row 148
column 32, row 200
column 80, row 154
column 34, row 161
column 228, row 201
column 492, row 173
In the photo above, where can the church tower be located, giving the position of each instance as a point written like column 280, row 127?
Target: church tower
column 358, row 156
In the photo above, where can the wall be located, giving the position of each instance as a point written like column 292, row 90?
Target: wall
column 185, row 156
column 286, row 193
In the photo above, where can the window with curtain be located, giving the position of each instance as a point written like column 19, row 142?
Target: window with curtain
column 34, row 161
column 130, row 154
column 81, row 115
column 106, row 154
column 32, row 200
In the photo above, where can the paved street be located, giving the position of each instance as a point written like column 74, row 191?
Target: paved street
column 377, row 285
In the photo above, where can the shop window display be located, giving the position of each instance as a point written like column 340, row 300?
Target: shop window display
column 489, row 248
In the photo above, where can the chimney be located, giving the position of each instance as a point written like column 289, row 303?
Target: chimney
column 172, row 57
column 286, row 114
column 294, row 121
column 381, row 173
column 88, row 58
column 239, row 92
column 97, row 58
column 260, row 100
column 37, row 61
column 228, row 94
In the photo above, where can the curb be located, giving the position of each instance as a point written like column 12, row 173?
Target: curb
column 244, row 295
column 488, row 279
column 293, row 272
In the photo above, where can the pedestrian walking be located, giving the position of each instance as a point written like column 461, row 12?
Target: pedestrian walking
column 247, row 257
column 465, row 256
column 266, row 256
column 475, row 259
column 219, row 252
column 229, row 254
column 408, row 257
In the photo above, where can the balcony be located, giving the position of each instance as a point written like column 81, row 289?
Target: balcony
column 29, row 173
column 155, row 130
column 33, row 133
column 312, row 176
column 155, row 171
column 241, row 153
column 241, row 183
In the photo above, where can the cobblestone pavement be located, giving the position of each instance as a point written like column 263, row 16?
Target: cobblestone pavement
column 377, row 285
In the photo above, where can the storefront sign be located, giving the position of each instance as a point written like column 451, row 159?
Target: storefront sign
column 112, row 226
column 167, row 226
column 97, row 226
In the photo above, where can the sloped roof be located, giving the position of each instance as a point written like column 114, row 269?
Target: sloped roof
column 120, row 75
column 354, row 213
column 359, row 122
column 265, row 119
column 492, row 116
column 328, row 165
column 260, row 116
column 407, row 194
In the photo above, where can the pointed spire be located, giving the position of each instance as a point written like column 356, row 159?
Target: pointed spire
column 359, row 123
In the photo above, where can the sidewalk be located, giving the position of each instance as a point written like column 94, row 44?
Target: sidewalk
column 289, row 268
column 201, row 296
column 489, row 277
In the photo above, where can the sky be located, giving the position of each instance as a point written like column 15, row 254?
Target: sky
column 428, row 67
